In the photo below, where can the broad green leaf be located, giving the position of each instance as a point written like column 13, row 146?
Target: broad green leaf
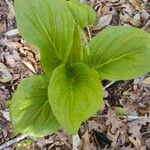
column 30, row 110
column 75, row 94
column 120, row 53
column 49, row 25
column 83, row 14
column 73, row 0
column 76, row 53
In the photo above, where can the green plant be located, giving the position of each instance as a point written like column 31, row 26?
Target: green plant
column 69, row 91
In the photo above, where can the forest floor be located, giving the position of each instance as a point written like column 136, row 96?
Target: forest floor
column 124, row 121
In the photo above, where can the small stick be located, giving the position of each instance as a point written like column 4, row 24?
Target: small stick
column 108, row 85
column 13, row 141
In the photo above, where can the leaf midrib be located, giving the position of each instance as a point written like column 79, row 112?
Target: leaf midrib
column 41, row 107
column 47, row 34
column 120, row 57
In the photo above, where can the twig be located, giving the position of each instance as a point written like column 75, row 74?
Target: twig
column 145, row 133
column 108, row 85
column 13, row 141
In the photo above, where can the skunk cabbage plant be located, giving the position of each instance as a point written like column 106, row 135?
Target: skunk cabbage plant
column 70, row 91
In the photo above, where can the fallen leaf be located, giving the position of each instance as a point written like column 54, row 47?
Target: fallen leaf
column 148, row 143
column 146, row 80
column 6, row 115
column 136, row 4
column 113, row 120
column 86, row 141
column 27, row 64
column 136, row 20
column 137, row 143
column 101, row 139
column 135, row 126
column 5, row 75
column 11, row 33
column 103, row 22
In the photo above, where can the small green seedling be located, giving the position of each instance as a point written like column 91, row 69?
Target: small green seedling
column 69, row 92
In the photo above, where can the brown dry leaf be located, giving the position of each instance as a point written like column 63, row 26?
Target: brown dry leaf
column 5, row 75
column 144, row 16
column 2, row 27
column 148, row 143
column 136, row 20
column 128, row 8
column 136, row 4
column 135, row 126
column 60, row 140
column 93, row 125
column 125, row 18
column 6, row 115
column 114, row 1
column 114, row 138
column 86, row 141
column 16, row 45
column 101, row 139
column 3, row 16
column 103, row 22
column 22, row 51
column 10, row 60
column 29, row 65
column 30, row 47
column 137, row 143
column 102, row 11
column 41, row 142
column 4, row 95
column 127, row 148
column 146, row 80
column 113, row 121
column 146, row 27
